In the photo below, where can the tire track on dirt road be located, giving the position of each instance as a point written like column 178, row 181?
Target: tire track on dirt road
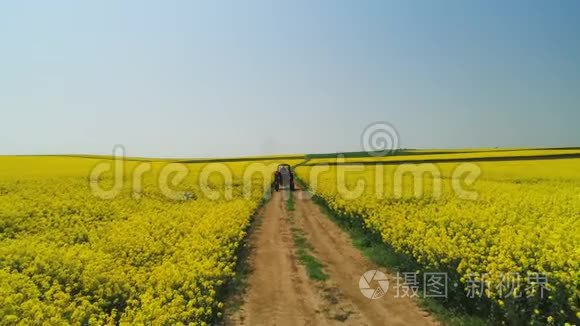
column 345, row 265
column 279, row 291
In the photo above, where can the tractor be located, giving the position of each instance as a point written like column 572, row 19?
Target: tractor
column 283, row 178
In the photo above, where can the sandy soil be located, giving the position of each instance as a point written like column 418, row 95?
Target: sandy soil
column 279, row 291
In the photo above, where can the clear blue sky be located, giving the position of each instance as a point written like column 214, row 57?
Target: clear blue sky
column 226, row 78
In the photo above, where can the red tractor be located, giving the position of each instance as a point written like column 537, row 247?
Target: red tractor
column 284, row 178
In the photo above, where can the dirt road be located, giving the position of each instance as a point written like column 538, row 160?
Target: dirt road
column 279, row 291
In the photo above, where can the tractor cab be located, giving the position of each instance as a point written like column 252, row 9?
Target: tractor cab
column 284, row 177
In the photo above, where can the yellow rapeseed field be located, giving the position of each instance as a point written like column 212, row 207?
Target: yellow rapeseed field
column 161, row 250
column 422, row 155
column 68, row 256
column 517, row 217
